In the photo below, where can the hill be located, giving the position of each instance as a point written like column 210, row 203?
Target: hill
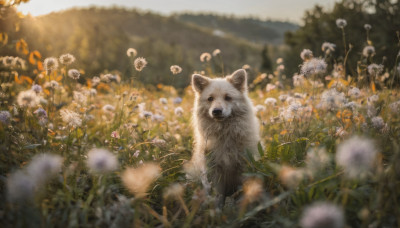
column 251, row 29
column 99, row 38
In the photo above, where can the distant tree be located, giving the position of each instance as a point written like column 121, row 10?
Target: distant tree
column 320, row 26
column 266, row 64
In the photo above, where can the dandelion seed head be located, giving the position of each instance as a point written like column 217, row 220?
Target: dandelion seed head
column 20, row 187
column 5, row 117
column 377, row 122
column 108, row 108
column 101, row 161
column 317, row 159
column 67, row 59
column 270, row 87
column 175, row 69
column 80, row 97
column 174, row 191
column 158, row 117
column 306, row 54
column 356, row 155
column 28, row 98
column 368, row 51
column 279, row 61
column 178, row 111
column 322, row 214
column 71, row 118
column 298, row 80
column 43, row 167
column 216, row 52
column 138, row 180
column 53, row 84
column 18, row 63
column 140, row 63
column 205, row 57
column 270, row 101
column 131, row 52
column 332, row 99
column 367, row 27
column 50, row 64
column 7, row 61
column 395, row 107
column 313, row 66
column 328, row 47
column 341, row 23
column 253, row 189
column 260, row 108
column 163, row 100
column 354, row 92
column 74, row 74
column 375, row 69
column 96, row 80
column 291, row 177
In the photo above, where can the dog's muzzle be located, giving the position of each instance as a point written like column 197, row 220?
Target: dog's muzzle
column 217, row 113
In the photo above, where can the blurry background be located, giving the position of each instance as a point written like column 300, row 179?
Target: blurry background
column 255, row 32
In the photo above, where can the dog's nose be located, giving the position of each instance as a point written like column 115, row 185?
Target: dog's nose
column 217, row 112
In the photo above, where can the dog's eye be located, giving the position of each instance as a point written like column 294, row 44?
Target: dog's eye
column 210, row 99
column 228, row 98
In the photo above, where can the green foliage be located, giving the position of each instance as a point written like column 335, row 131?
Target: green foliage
column 320, row 26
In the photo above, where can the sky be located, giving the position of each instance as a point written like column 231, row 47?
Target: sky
column 286, row 10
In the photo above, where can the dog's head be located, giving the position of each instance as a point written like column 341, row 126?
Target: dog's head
column 221, row 96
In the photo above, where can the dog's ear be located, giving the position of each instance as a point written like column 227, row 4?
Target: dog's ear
column 239, row 80
column 199, row 82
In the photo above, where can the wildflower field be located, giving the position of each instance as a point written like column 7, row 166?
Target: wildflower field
column 110, row 151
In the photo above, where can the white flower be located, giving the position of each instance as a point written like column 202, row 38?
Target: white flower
column 270, row 87
column 101, row 160
column 306, row 54
column 341, row 23
column 174, row 191
column 138, row 180
column 175, row 69
column 108, row 108
column 357, row 156
column 50, row 64
column 71, row 118
column 332, row 99
column 205, row 57
column 43, row 167
column 216, row 52
column 270, row 101
column 140, row 63
column 377, row 122
column 131, row 52
column 260, row 108
column 368, row 51
column 328, row 47
column 313, row 66
column 158, row 117
column 67, row 59
column 354, row 92
column 375, row 69
column 317, row 159
column 20, row 187
column 298, row 80
column 28, row 98
column 322, row 214
column 74, row 74
column 178, row 111
column 367, row 27
column 163, row 100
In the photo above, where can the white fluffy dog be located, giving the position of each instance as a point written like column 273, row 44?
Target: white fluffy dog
column 225, row 126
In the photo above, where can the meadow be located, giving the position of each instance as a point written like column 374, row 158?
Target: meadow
column 110, row 151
